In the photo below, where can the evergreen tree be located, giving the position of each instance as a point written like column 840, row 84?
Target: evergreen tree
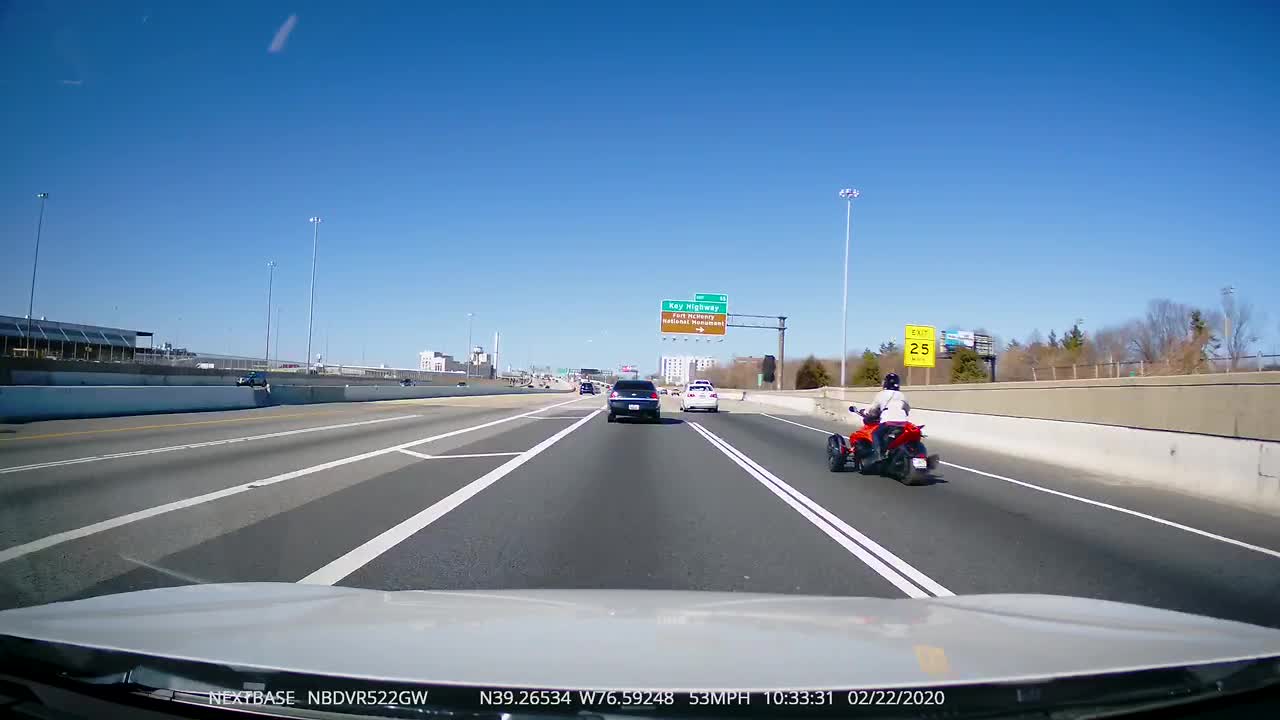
column 1073, row 340
column 967, row 367
column 811, row 375
column 868, row 371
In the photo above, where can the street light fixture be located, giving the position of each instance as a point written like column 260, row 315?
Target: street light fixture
column 470, row 356
column 848, row 194
column 31, row 301
column 271, row 276
column 311, row 305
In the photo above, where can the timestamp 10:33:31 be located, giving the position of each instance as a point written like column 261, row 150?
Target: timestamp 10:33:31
column 666, row 698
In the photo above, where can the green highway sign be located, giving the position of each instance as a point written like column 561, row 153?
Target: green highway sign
column 686, row 306
column 711, row 297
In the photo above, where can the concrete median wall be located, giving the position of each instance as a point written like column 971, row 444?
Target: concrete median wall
column 76, row 378
column 303, row 395
column 1215, row 436
column 1238, row 405
column 33, row 402
column 1238, row 471
column 27, row 403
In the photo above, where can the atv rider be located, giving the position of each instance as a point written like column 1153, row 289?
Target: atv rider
column 891, row 405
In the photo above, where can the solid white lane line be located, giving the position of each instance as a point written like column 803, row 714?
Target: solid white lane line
column 556, row 417
column 898, row 563
column 1126, row 511
column 424, row 456
column 1087, row 501
column 193, row 446
column 827, row 528
column 58, row 538
column 790, row 422
column 48, row 541
column 369, row 551
column 476, row 455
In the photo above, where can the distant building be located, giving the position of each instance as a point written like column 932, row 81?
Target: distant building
column 432, row 361
column 57, row 340
column 680, row 369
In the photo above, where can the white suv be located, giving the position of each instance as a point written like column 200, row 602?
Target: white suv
column 700, row 396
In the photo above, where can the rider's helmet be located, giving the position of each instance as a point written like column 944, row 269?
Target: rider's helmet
column 891, row 381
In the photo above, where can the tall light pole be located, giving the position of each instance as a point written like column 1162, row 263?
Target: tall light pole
column 35, row 262
column 311, row 306
column 277, row 334
column 848, row 194
column 1227, row 292
column 271, row 276
column 470, row 322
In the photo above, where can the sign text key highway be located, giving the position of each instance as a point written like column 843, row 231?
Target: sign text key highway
column 694, row 306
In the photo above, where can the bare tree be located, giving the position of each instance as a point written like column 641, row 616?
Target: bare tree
column 1114, row 343
column 1165, row 325
column 1238, row 332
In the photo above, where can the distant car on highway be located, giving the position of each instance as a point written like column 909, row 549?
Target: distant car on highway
column 462, row 384
column 587, row 388
column 699, row 396
column 634, row 398
column 406, row 382
column 253, row 379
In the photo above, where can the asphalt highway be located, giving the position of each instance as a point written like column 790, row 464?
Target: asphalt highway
column 540, row 492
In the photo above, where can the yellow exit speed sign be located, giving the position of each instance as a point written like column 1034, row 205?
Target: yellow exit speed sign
column 919, row 348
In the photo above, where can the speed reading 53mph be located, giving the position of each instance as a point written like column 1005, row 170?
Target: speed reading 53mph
column 919, row 348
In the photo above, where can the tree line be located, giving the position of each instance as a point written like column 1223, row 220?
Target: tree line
column 1169, row 338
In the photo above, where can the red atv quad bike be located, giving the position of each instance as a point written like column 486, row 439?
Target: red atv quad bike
column 905, row 459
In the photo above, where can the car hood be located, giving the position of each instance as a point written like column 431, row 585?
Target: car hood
column 621, row 639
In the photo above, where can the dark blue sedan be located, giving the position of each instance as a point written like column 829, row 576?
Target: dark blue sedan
column 634, row 398
column 587, row 388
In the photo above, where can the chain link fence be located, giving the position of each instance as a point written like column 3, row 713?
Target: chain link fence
column 183, row 359
column 1135, row 368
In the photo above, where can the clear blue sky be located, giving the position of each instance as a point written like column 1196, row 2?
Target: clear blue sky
column 1021, row 165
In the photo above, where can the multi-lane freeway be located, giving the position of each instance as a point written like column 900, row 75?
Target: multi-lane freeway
column 541, row 492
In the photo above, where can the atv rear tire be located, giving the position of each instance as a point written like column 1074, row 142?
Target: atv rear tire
column 835, row 458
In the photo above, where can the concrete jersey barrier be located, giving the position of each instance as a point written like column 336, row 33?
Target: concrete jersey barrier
column 1210, row 436
column 1239, row 471
column 1239, row 405
column 26, row 403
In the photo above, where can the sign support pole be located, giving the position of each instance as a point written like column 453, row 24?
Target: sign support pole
column 782, row 349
